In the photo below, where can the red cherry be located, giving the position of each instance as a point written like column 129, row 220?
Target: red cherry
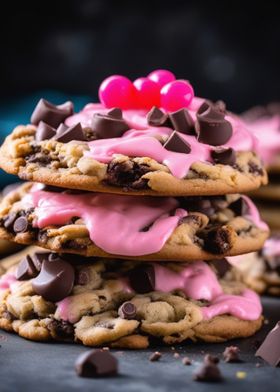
column 147, row 93
column 161, row 77
column 117, row 91
column 176, row 95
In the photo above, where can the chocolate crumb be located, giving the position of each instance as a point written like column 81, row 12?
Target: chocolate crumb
column 155, row 356
column 231, row 354
column 211, row 359
column 208, row 372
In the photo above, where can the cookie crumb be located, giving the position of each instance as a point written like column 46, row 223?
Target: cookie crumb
column 211, row 359
column 155, row 356
column 241, row 375
column 186, row 361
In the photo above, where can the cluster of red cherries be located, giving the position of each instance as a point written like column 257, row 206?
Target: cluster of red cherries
column 160, row 88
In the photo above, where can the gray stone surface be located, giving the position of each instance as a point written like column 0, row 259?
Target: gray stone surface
column 28, row 366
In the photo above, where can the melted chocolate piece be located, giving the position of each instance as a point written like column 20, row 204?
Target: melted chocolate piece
column 157, row 117
column 177, row 144
column 109, row 125
column 55, row 281
column 44, row 132
column 224, row 156
column 142, row 279
column 127, row 311
column 221, row 266
column 182, row 121
column 51, row 114
column 65, row 135
column 211, row 126
column 96, row 363
column 217, row 240
column 270, row 348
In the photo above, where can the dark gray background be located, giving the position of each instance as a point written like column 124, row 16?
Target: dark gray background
column 28, row 366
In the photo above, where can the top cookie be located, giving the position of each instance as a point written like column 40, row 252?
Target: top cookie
column 126, row 144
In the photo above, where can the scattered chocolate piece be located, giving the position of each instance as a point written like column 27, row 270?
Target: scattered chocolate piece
column 182, row 121
column 157, row 117
column 209, row 371
column 55, row 280
column 224, row 156
column 155, row 356
column 75, row 132
column 142, row 279
column 127, row 311
column 186, row 361
column 44, row 132
column 20, row 225
column 231, row 354
column 96, row 363
column 51, row 114
column 26, row 269
column 270, row 348
column 212, row 127
column 221, row 266
column 176, row 143
column 109, row 125
column 211, row 359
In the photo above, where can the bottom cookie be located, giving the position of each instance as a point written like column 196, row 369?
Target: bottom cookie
column 103, row 303
column 260, row 271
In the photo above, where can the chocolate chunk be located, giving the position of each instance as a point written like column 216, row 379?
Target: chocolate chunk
column 176, row 143
column 157, row 117
column 38, row 258
column 96, row 363
column 20, row 224
column 10, row 188
column 255, row 169
column 127, row 175
column 198, row 204
column 209, row 372
column 26, row 269
column 109, row 125
column 270, row 348
column 217, row 240
column 224, row 156
column 142, row 279
column 239, row 207
column 51, row 114
column 61, row 330
column 221, row 266
column 9, row 221
column 44, row 132
column 231, row 354
column 127, row 311
column 66, row 135
column 155, row 356
column 55, row 281
column 182, row 121
column 212, row 127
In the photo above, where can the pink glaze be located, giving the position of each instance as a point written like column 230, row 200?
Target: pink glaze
column 6, row 281
column 114, row 222
column 267, row 130
column 246, row 306
column 141, row 139
column 198, row 282
column 253, row 214
column 272, row 246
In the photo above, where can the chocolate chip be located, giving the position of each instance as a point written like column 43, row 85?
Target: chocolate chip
column 9, row 221
column 20, row 225
column 127, row 311
column 270, row 348
column 109, row 125
column 176, row 143
column 182, row 121
column 96, row 363
column 224, row 156
column 75, row 132
column 142, row 279
column 157, row 117
column 55, row 280
column 217, row 240
column 231, row 354
column 44, row 132
column 239, row 207
column 155, row 356
column 221, row 266
column 26, row 269
column 212, row 127
column 209, row 372
column 51, row 114
column 127, row 175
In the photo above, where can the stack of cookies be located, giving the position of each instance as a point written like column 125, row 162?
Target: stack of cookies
column 136, row 202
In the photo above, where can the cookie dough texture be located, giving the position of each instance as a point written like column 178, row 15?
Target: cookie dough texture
column 64, row 165
column 161, row 318
column 195, row 238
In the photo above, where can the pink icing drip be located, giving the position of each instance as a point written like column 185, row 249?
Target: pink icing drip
column 141, row 139
column 6, row 281
column 114, row 222
column 198, row 282
column 253, row 214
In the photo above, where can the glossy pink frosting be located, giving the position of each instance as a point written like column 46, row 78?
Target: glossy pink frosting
column 272, row 246
column 198, row 281
column 267, row 130
column 123, row 217
column 7, row 280
column 141, row 140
